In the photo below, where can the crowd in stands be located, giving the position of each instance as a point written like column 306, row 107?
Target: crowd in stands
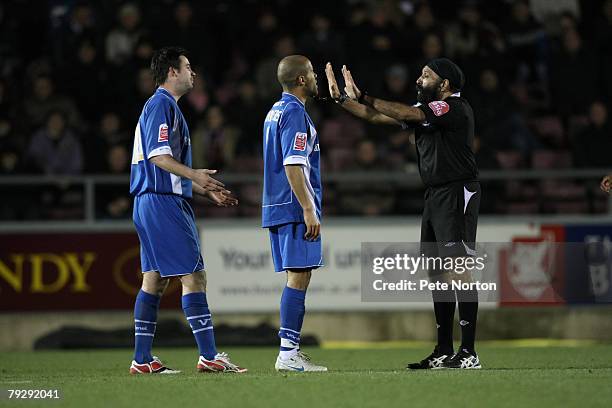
column 74, row 76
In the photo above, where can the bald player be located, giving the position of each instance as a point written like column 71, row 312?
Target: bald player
column 291, row 205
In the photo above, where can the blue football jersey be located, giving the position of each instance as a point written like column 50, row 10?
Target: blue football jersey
column 161, row 129
column 289, row 137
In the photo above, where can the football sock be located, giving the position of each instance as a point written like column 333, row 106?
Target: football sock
column 292, row 311
column 468, row 312
column 444, row 309
column 145, row 320
column 199, row 318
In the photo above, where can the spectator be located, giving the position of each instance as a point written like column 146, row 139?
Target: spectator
column 525, row 37
column 109, row 133
column 267, row 83
column 397, row 86
column 214, row 144
column 85, row 77
column 248, row 113
column 122, row 39
column 593, row 145
column 113, row 201
column 570, row 95
column 321, row 43
column 54, row 149
column 43, row 101
column 364, row 198
column 497, row 118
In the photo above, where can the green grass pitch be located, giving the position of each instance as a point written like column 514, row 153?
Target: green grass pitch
column 578, row 376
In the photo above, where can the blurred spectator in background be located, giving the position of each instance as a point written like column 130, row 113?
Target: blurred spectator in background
column 84, row 78
column 121, row 40
column 248, row 113
column 358, row 198
column 109, row 133
column 267, row 83
column 498, row 121
column 43, row 101
column 213, row 144
column 113, row 201
column 54, row 149
column 69, row 29
column 396, row 86
column 321, row 44
column 463, row 36
column 593, row 145
column 526, row 42
column 257, row 40
column 140, row 91
column 191, row 35
column 423, row 24
column 574, row 78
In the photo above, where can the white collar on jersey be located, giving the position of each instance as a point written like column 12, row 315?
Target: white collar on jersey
column 296, row 98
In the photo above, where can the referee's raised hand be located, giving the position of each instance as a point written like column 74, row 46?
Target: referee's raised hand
column 334, row 91
column 203, row 178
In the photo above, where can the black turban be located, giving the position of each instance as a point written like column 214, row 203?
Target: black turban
column 447, row 69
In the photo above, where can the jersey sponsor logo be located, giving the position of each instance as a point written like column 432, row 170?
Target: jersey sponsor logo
column 299, row 143
column 439, row 108
column 163, row 133
column 316, row 148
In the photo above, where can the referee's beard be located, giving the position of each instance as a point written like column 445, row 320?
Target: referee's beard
column 428, row 94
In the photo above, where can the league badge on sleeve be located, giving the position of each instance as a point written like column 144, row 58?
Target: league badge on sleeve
column 163, row 133
column 299, row 143
column 439, row 108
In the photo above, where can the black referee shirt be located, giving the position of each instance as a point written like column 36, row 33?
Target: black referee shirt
column 444, row 142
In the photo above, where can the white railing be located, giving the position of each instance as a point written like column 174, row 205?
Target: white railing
column 403, row 179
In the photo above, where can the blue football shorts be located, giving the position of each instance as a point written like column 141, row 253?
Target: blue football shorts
column 169, row 240
column 291, row 251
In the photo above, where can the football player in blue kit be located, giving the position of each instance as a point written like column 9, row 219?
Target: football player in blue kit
column 291, row 205
column 162, row 183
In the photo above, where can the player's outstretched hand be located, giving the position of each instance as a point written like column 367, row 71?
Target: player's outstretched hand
column 350, row 87
column 606, row 183
column 313, row 226
column 223, row 199
column 334, row 91
column 203, row 178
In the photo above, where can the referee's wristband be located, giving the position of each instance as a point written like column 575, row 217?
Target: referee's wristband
column 343, row 98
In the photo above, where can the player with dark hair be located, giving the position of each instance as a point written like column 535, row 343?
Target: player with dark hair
column 291, row 205
column 443, row 124
column 163, row 182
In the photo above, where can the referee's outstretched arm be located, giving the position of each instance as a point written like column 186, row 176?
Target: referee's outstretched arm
column 373, row 110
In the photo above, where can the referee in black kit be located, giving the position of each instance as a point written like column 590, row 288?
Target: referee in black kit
column 443, row 124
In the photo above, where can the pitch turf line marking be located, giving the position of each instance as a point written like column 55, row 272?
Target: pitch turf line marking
column 492, row 343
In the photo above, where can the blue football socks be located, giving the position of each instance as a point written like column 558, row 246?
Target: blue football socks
column 145, row 320
column 292, row 310
column 198, row 315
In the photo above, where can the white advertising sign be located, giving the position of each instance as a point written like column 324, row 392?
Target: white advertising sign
column 241, row 276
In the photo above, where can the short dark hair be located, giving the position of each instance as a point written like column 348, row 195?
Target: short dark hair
column 163, row 59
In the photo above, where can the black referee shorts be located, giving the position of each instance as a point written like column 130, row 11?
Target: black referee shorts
column 450, row 217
